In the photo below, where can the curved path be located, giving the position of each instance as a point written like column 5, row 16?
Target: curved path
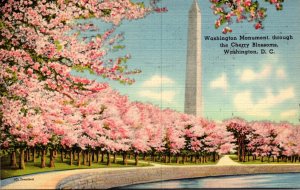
column 49, row 180
column 227, row 161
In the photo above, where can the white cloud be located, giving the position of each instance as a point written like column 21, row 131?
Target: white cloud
column 243, row 101
column 220, row 82
column 249, row 75
column 280, row 73
column 165, row 96
column 151, row 89
column 289, row 114
column 158, row 81
column 269, row 69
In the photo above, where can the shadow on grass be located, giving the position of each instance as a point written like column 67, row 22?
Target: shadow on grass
column 34, row 168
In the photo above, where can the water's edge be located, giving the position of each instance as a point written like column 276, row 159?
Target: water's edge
column 282, row 180
column 119, row 178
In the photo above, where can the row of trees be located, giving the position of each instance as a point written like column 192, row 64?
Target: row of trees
column 105, row 122
column 265, row 139
column 109, row 123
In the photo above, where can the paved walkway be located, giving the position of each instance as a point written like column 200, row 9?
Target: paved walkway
column 49, row 180
column 227, row 161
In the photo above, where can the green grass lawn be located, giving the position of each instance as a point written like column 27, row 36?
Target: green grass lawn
column 258, row 161
column 32, row 168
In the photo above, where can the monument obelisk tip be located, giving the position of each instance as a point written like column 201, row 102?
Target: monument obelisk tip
column 195, row 6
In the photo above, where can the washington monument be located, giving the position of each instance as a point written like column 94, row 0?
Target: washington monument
column 193, row 93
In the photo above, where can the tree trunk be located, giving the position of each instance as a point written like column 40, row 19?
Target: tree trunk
column 102, row 157
column 21, row 159
column 108, row 162
column 93, row 156
column 114, row 160
column 90, row 158
column 97, row 156
column 86, row 158
column 239, row 150
column 13, row 160
column 28, row 154
column 78, row 157
column 165, row 158
column 43, row 158
column 62, row 156
column 125, row 159
column 38, row 153
column 177, row 159
column 33, row 155
column 52, row 165
column 136, row 158
column 74, row 155
column 25, row 156
column 183, row 159
column 65, row 154
column 262, row 159
column 83, row 157
column 170, row 158
column 243, row 152
column 144, row 156
column 71, row 158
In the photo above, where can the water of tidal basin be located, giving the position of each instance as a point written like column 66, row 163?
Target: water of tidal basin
column 289, row 180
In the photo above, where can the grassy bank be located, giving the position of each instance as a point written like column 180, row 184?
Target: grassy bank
column 32, row 168
column 35, row 167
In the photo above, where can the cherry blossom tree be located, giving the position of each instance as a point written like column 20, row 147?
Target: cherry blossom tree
column 240, row 129
column 230, row 11
column 288, row 138
column 218, row 140
column 263, row 140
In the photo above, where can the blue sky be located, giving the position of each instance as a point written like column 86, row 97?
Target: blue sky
column 255, row 87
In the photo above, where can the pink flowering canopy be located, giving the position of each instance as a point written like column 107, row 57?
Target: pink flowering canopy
column 230, row 11
column 41, row 40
